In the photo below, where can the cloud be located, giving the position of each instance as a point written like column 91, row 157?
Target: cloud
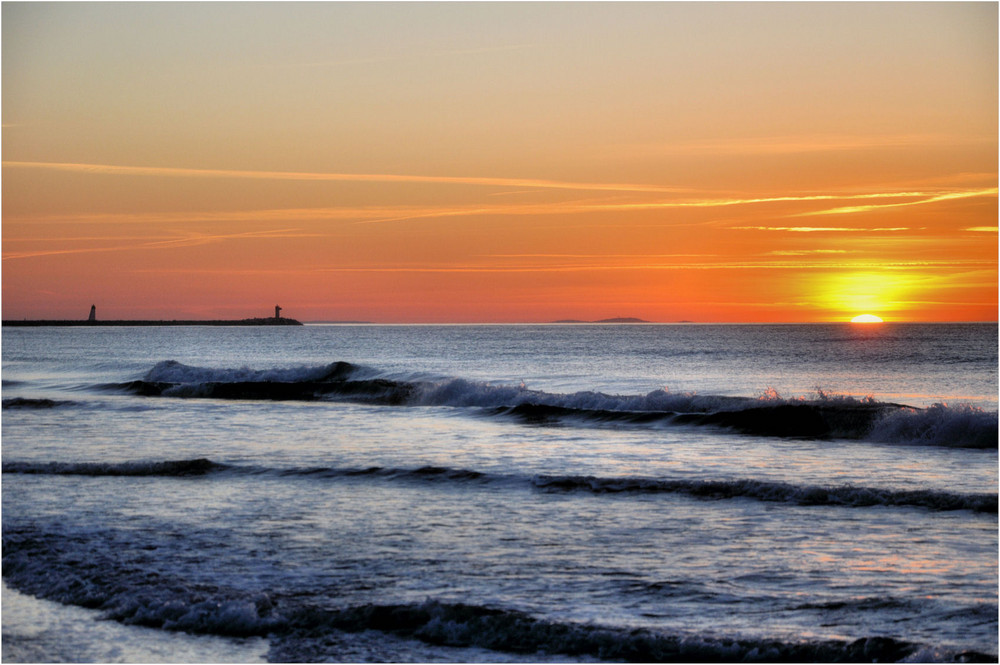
column 929, row 198
column 188, row 240
column 822, row 229
column 595, row 256
column 52, row 252
column 720, row 202
column 594, row 263
column 110, row 169
column 715, row 202
column 714, row 265
column 386, row 214
column 805, row 252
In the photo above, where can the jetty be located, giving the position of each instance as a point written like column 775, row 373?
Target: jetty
column 92, row 320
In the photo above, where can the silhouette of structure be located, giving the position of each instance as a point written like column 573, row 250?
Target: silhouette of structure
column 276, row 320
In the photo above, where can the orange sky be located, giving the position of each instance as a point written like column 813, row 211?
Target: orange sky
column 510, row 162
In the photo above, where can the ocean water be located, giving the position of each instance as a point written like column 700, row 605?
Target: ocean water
column 557, row 493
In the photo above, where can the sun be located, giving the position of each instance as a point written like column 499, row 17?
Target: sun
column 866, row 318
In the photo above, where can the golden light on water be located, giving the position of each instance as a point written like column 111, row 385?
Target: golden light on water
column 866, row 318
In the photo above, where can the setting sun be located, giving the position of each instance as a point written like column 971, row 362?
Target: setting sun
column 866, row 318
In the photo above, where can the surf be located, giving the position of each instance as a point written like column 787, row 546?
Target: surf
column 710, row 489
column 769, row 415
column 48, row 566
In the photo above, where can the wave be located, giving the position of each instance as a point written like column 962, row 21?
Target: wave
column 304, row 628
column 780, row 419
column 340, row 379
column 191, row 467
column 848, row 496
column 939, row 425
column 35, row 403
column 506, row 630
column 769, row 415
column 173, row 372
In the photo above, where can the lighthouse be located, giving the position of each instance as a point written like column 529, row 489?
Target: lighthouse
column 277, row 312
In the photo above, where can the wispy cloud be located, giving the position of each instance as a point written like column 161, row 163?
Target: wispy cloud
column 186, row 240
column 646, row 266
column 517, row 191
column 928, row 198
column 986, row 268
column 805, row 252
column 712, row 202
column 923, row 198
column 55, row 252
column 386, row 214
column 982, row 229
column 195, row 238
column 161, row 171
column 595, row 256
column 823, row 229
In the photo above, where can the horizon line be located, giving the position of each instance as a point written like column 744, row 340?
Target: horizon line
column 608, row 321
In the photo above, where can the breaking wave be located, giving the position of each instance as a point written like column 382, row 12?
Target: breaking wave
column 938, row 425
column 849, row 496
column 299, row 627
column 460, row 625
column 768, row 415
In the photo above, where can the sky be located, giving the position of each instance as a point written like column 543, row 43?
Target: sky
column 500, row 162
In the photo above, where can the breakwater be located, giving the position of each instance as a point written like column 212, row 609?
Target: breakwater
column 270, row 321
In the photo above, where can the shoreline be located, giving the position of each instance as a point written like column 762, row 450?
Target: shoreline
column 37, row 630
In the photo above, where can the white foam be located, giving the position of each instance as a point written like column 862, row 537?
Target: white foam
column 460, row 392
column 41, row 631
column 939, row 425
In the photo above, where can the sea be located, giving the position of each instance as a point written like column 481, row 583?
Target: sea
column 500, row 493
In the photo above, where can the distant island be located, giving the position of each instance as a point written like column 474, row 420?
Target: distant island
column 621, row 319
column 92, row 320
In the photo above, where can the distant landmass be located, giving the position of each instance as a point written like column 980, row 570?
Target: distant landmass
column 620, row 319
column 331, row 323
